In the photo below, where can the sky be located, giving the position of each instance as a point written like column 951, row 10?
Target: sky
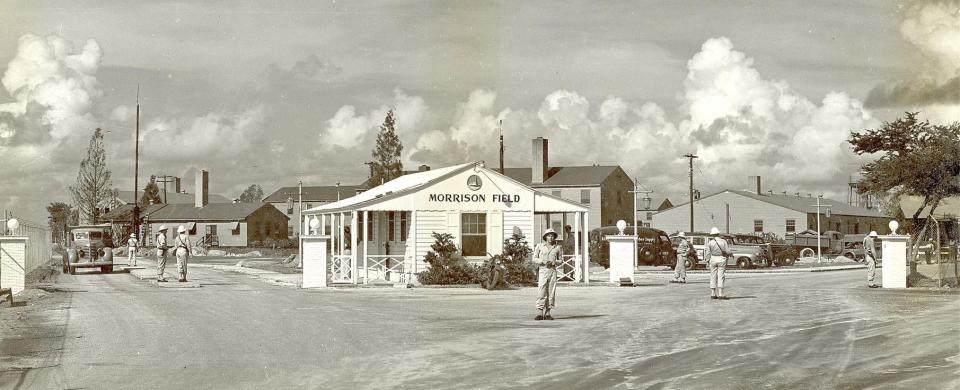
column 271, row 92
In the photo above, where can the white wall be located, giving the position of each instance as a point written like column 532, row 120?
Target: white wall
column 711, row 212
column 224, row 234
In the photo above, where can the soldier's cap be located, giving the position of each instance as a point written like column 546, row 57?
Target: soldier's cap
column 132, row 235
column 681, row 234
column 181, row 229
column 873, row 233
column 714, row 232
column 161, row 228
column 549, row 231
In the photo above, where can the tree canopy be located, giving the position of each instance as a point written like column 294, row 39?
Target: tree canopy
column 915, row 158
column 61, row 216
column 93, row 190
column 151, row 193
column 252, row 194
column 386, row 163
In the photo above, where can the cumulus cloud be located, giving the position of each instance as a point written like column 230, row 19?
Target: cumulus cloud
column 933, row 30
column 738, row 122
column 348, row 129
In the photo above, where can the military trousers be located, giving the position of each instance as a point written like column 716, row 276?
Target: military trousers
column 871, row 268
column 680, row 272
column 131, row 256
column 546, row 288
column 161, row 263
column 718, row 270
column 182, row 256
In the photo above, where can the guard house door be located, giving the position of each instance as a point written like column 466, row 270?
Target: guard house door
column 395, row 234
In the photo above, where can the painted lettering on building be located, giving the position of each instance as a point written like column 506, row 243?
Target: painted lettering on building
column 475, row 198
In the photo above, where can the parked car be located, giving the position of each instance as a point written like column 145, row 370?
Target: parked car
column 653, row 245
column 89, row 246
column 744, row 256
column 781, row 254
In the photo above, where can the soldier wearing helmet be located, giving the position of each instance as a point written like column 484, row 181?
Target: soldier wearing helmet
column 547, row 255
column 183, row 250
column 870, row 257
column 717, row 252
column 161, row 253
column 683, row 251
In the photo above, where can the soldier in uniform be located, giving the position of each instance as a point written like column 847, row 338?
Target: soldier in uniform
column 547, row 255
column 161, row 252
column 717, row 252
column 870, row 257
column 683, row 249
column 183, row 250
column 132, row 246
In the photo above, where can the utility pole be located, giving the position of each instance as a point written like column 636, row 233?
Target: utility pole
column 691, row 157
column 819, row 232
column 299, row 206
column 166, row 179
column 501, row 146
column 135, row 224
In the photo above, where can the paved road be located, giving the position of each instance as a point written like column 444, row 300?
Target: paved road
column 818, row 330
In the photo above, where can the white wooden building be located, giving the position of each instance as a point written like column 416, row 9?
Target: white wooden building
column 478, row 206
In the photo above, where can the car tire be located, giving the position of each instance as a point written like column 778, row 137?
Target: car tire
column 851, row 256
column 743, row 263
column 689, row 264
column 788, row 261
column 807, row 252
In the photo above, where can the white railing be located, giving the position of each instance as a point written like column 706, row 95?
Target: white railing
column 341, row 268
column 385, row 267
column 39, row 249
column 567, row 270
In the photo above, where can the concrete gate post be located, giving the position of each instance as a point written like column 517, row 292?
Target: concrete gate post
column 623, row 257
column 13, row 263
column 316, row 261
column 894, row 268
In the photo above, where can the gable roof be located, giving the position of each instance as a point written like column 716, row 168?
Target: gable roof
column 173, row 197
column 183, row 212
column 801, row 203
column 395, row 187
column 577, row 176
column 656, row 204
column 313, row 193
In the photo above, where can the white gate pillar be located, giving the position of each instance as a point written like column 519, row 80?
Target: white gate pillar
column 13, row 263
column 894, row 267
column 623, row 257
column 315, row 261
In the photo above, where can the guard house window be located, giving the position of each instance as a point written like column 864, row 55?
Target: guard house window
column 473, row 232
column 391, row 225
column 758, row 226
column 403, row 226
column 791, row 225
column 211, row 230
column 585, row 196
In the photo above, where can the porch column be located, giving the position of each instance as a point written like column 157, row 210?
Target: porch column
column 353, row 244
column 578, row 275
column 366, row 239
column 413, row 226
column 586, row 246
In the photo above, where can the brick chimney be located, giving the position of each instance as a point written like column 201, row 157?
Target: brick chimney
column 203, row 188
column 540, row 161
column 754, row 181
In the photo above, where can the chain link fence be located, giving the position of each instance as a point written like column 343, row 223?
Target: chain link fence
column 39, row 248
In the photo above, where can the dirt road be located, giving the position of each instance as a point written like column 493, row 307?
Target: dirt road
column 812, row 330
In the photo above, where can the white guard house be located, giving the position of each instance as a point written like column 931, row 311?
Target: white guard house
column 478, row 206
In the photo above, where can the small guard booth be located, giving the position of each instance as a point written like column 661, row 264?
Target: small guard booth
column 395, row 222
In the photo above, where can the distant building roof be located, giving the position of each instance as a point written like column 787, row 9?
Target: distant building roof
column 592, row 175
column 183, row 212
column 173, row 197
column 314, row 193
column 803, row 204
column 656, row 203
column 948, row 207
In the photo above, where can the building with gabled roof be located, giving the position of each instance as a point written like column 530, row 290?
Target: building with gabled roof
column 385, row 232
column 735, row 211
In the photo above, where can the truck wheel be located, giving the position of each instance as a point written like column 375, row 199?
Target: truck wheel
column 743, row 263
column 850, row 256
column 788, row 261
column 689, row 264
column 807, row 252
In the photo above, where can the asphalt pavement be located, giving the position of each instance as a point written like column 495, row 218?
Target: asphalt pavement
column 795, row 330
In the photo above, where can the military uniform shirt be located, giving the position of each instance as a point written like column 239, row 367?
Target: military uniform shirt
column 544, row 253
column 717, row 246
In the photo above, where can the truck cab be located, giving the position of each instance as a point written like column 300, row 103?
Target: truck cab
column 89, row 246
column 744, row 256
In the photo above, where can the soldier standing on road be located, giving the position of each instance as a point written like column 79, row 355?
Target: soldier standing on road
column 183, row 250
column 870, row 256
column 683, row 250
column 161, row 252
column 132, row 246
column 547, row 254
column 717, row 250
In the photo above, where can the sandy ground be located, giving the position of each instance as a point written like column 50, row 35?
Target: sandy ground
column 806, row 330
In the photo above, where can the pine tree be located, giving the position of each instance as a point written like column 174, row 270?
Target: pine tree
column 252, row 194
column 151, row 193
column 93, row 191
column 61, row 216
column 386, row 163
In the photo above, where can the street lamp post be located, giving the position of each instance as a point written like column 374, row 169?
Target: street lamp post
column 819, row 232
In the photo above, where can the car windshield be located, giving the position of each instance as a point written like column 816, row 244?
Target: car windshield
column 96, row 235
column 80, row 236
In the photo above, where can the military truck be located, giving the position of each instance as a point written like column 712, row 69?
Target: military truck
column 89, row 246
column 831, row 243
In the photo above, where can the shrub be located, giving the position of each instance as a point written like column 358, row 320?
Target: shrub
column 269, row 242
column 445, row 266
column 255, row 244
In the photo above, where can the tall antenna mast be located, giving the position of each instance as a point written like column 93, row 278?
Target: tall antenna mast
column 136, row 172
column 501, row 146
